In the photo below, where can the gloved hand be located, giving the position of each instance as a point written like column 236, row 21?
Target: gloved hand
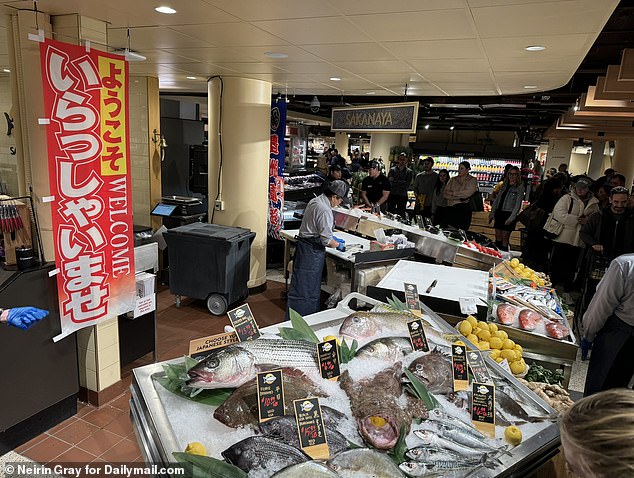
column 340, row 241
column 342, row 245
column 24, row 317
column 586, row 345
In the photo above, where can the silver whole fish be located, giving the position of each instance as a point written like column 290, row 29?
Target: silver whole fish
column 236, row 364
column 430, row 453
column 415, row 469
column 368, row 325
column 364, row 463
column 308, row 469
column 257, row 452
column 430, row 438
column 390, row 349
column 439, row 417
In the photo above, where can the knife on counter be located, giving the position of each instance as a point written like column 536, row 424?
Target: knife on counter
column 431, row 286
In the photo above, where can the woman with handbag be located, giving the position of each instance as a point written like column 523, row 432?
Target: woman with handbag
column 505, row 208
column 458, row 193
column 571, row 211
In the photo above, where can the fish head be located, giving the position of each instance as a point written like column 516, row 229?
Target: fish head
column 379, row 430
column 359, row 325
column 411, row 468
column 226, row 368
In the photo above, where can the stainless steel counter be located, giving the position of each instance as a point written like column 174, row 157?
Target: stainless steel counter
column 157, row 434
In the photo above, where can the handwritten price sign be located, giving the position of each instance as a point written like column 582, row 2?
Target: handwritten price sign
column 417, row 335
column 270, row 395
column 310, row 428
column 244, row 323
column 329, row 359
column 483, row 407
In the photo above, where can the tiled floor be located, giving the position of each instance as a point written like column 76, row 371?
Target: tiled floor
column 105, row 434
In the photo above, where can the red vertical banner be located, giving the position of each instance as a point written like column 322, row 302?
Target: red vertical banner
column 86, row 103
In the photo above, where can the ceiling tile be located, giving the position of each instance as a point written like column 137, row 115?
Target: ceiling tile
column 349, row 52
column 436, row 66
column 230, row 34
column 435, row 49
column 253, row 10
column 581, row 16
column 550, row 65
column 380, row 66
column 211, row 55
column 312, row 67
column 152, row 38
column 295, row 54
column 556, row 46
column 355, row 7
column 432, row 25
column 462, row 77
column 253, row 67
column 309, row 32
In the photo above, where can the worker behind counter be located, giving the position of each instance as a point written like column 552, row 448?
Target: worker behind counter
column 375, row 188
column 315, row 234
column 22, row 317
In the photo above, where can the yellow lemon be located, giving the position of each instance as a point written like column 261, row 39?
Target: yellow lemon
column 502, row 334
column 484, row 334
column 529, row 270
column 508, row 344
column 483, row 325
column 465, row 327
column 498, row 359
column 541, row 282
column 508, row 355
column 513, row 435
column 472, row 338
column 525, row 274
column 517, row 367
column 493, row 327
column 472, row 320
column 515, row 262
column 196, row 448
column 521, row 266
column 495, row 342
column 483, row 345
column 519, row 348
column 331, row 337
column 494, row 353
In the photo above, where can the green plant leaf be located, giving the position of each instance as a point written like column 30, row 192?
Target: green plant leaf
column 190, row 363
column 178, row 387
column 299, row 324
column 421, row 391
column 206, row 466
column 398, row 452
column 291, row 334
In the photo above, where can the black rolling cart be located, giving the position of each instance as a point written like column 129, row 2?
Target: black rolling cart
column 209, row 262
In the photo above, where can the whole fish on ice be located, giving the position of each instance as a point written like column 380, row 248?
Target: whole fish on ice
column 369, row 325
column 390, row 349
column 364, row 463
column 238, row 363
column 435, row 371
column 257, row 452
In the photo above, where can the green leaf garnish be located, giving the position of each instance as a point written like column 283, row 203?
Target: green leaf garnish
column 398, row 452
column 299, row 324
column 208, row 466
column 420, row 391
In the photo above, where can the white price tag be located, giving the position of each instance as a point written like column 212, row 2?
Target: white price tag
column 468, row 305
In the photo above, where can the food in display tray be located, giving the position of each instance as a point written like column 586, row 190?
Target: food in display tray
column 393, row 412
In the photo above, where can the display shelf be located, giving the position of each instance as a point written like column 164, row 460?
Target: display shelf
column 488, row 172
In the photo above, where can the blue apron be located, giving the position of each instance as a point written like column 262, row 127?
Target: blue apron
column 304, row 295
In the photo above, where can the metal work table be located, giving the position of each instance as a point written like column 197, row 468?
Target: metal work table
column 357, row 255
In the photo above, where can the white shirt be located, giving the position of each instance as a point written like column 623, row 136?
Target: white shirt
column 615, row 295
column 318, row 220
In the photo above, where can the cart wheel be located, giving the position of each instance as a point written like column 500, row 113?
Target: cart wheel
column 217, row 304
column 178, row 301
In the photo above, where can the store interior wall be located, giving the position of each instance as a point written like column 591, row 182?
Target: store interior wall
column 500, row 138
column 8, row 152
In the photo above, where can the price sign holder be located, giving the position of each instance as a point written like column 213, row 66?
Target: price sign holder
column 270, row 389
column 459, row 366
column 200, row 347
column 417, row 335
column 478, row 367
column 328, row 353
column 310, row 428
column 244, row 323
column 411, row 299
column 483, row 408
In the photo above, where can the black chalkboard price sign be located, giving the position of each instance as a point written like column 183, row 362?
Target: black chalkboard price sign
column 328, row 353
column 270, row 395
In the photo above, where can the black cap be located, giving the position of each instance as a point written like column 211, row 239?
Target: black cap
column 373, row 164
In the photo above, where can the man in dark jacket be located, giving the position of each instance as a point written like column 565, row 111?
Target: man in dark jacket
column 607, row 234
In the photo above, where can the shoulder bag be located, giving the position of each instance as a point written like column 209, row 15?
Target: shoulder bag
column 533, row 217
column 475, row 201
column 552, row 227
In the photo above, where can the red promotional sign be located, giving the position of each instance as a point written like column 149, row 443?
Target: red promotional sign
column 86, row 102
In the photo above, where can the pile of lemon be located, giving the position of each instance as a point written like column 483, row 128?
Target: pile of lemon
column 486, row 336
column 526, row 272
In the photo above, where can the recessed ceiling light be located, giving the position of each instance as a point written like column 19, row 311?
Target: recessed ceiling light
column 165, row 9
column 275, row 54
column 451, row 127
column 191, row 77
column 426, row 126
column 535, row 48
column 6, row 70
column 529, row 87
column 370, row 92
column 335, row 78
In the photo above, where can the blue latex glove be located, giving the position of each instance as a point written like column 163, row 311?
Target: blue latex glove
column 586, row 345
column 25, row 317
column 340, row 241
column 342, row 246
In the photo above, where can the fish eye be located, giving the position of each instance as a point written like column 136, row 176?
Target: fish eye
column 212, row 363
column 356, row 320
column 419, row 367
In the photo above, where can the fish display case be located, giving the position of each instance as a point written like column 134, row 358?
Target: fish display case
column 165, row 423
